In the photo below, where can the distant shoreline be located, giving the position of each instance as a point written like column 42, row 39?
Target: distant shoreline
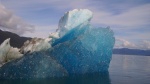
column 126, row 51
column 131, row 55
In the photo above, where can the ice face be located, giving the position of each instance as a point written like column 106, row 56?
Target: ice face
column 76, row 48
column 34, row 65
column 84, row 49
column 7, row 52
column 73, row 19
column 35, row 44
column 4, row 48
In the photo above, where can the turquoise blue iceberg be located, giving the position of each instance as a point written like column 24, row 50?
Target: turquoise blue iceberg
column 81, row 48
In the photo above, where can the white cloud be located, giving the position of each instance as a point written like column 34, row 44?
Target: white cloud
column 133, row 17
column 42, row 4
column 132, row 35
column 13, row 23
column 144, row 45
column 42, row 31
column 122, row 43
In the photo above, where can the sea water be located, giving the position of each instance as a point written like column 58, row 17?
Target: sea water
column 129, row 69
column 124, row 69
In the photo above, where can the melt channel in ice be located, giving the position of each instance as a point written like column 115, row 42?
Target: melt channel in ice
column 75, row 48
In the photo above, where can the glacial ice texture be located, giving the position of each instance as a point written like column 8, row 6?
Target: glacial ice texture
column 73, row 19
column 84, row 49
column 35, row 44
column 80, row 48
column 35, row 65
column 8, row 53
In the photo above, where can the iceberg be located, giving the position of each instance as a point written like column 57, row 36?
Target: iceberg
column 76, row 47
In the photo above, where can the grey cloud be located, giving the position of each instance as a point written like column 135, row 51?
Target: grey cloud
column 13, row 23
column 133, row 17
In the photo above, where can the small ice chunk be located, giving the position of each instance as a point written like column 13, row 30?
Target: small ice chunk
column 36, row 44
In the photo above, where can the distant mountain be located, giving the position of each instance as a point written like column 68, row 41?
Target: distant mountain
column 15, row 40
column 126, row 51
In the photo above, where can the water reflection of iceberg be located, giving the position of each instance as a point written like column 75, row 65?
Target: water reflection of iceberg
column 92, row 78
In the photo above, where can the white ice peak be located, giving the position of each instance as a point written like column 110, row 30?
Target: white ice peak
column 73, row 19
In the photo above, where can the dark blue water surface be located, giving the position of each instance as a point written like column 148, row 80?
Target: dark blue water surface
column 124, row 69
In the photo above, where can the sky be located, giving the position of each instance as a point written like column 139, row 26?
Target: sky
column 129, row 19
